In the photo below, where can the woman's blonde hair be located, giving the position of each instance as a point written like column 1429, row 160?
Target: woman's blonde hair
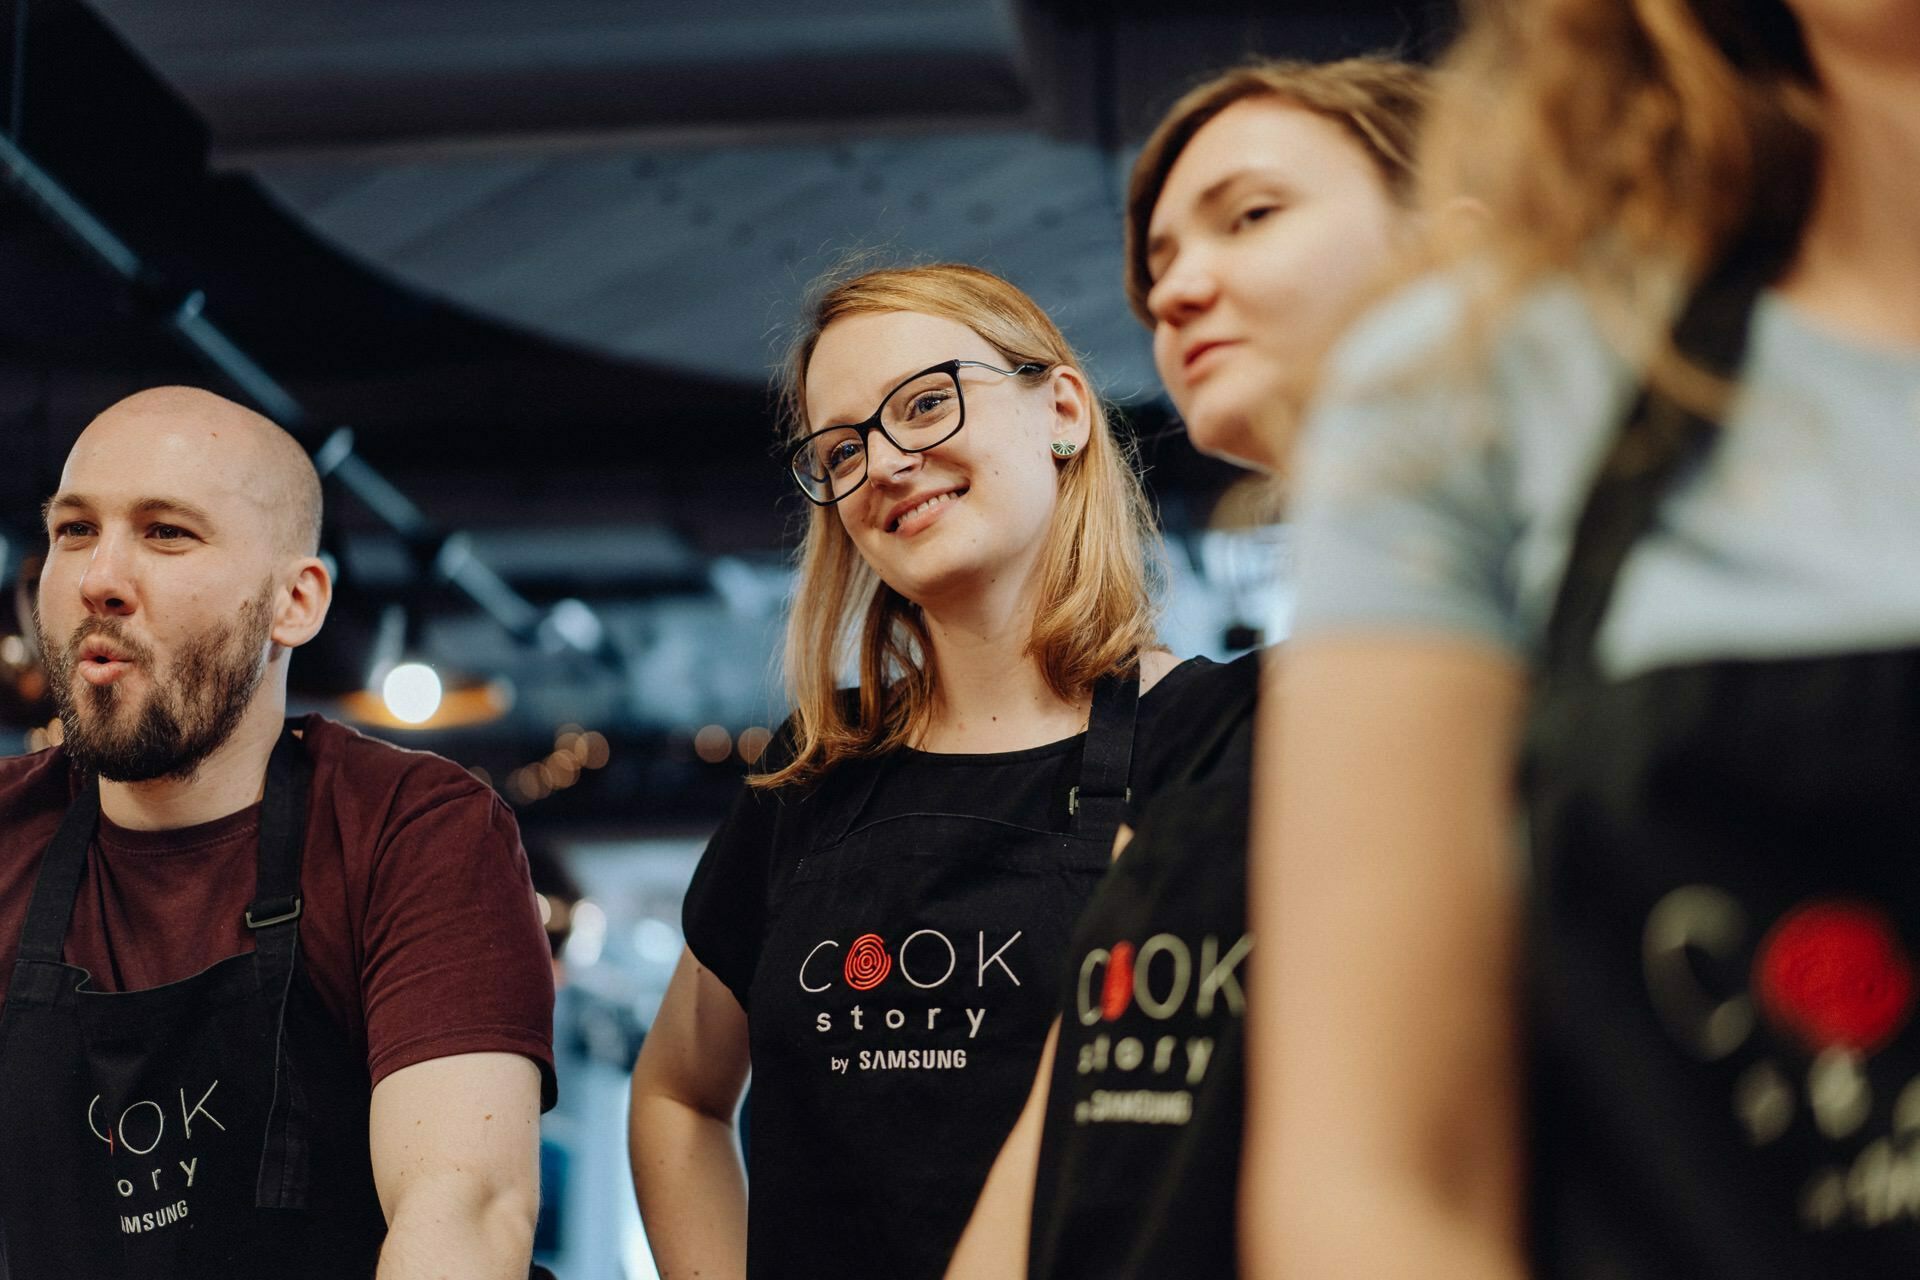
column 1095, row 610
column 1634, row 146
column 1380, row 101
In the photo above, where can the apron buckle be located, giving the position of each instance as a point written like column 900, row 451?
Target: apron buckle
column 283, row 910
column 1073, row 799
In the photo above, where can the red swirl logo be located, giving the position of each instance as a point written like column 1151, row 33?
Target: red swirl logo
column 868, row 963
column 1835, row 973
column 1118, row 988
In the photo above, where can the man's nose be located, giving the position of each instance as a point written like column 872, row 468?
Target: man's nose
column 107, row 585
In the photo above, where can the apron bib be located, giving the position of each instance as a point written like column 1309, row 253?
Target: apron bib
column 899, row 1007
column 211, row 1129
column 1139, row 1165
column 1722, row 927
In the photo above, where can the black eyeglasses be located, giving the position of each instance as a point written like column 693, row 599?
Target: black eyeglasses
column 923, row 411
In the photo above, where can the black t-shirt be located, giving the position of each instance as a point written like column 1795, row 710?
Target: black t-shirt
column 866, row 1160
column 1140, row 1154
column 766, row 832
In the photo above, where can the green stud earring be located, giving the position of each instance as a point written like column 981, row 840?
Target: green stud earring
column 1065, row 448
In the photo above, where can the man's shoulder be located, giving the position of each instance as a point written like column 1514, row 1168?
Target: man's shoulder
column 35, row 792
column 401, row 782
column 32, row 782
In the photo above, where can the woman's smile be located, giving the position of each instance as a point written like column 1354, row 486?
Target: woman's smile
column 915, row 514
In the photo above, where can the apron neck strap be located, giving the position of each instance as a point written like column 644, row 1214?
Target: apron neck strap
column 282, row 831
column 283, row 1178
column 1098, row 803
column 61, row 869
column 1657, row 441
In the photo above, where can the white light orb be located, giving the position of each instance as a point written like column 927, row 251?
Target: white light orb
column 412, row 692
column 589, row 935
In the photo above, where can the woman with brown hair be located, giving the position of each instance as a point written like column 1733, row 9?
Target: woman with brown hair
column 1625, row 496
column 877, row 925
column 1259, row 212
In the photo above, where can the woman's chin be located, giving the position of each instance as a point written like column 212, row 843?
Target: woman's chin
column 955, row 589
column 1235, row 437
column 929, row 586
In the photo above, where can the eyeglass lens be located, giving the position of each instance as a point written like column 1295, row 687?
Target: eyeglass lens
column 922, row 413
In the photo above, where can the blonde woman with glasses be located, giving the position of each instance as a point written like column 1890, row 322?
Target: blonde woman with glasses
column 878, row 927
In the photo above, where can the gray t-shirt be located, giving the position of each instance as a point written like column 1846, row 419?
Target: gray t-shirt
column 1435, row 500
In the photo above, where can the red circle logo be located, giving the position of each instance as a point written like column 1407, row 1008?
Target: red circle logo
column 868, row 963
column 1835, row 974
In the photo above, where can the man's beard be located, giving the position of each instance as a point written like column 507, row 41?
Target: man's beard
column 212, row 682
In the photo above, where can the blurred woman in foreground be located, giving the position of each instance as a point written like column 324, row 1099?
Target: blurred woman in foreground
column 1625, row 498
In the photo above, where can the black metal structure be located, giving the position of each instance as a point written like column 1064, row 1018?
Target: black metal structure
column 529, row 252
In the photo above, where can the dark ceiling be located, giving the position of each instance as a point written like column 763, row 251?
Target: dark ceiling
column 529, row 251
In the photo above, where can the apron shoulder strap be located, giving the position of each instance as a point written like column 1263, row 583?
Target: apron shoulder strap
column 841, row 797
column 283, row 823
column 274, row 917
column 836, row 801
column 277, row 891
column 62, row 868
column 1658, row 440
column 1098, row 802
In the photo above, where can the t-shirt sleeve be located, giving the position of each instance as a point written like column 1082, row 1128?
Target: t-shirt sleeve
column 1196, row 721
column 1403, row 511
column 725, row 914
column 456, row 959
column 724, row 917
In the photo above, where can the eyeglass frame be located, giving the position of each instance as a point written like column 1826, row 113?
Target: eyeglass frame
column 872, row 424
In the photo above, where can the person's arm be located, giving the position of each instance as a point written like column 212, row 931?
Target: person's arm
column 994, row 1246
column 1383, row 1128
column 687, row 1084
column 455, row 1144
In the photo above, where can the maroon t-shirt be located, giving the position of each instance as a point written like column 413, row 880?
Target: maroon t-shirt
column 419, row 930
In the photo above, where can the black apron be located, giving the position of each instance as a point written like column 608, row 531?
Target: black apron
column 1139, row 1166
column 1725, row 910
column 211, row 1129
column 898, row 1010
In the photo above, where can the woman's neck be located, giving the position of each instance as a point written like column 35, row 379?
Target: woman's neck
column 990, row 693
column 1860, row 254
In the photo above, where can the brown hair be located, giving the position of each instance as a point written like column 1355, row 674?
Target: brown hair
column 1632, row 145
column 1380, row 101
column 1095, row 612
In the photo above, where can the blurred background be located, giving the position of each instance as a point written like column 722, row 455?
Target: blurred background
column 516, row 273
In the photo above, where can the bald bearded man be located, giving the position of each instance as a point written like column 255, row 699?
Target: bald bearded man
column 278, row 1001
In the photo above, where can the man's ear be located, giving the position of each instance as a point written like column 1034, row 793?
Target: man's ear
column 302, row 603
